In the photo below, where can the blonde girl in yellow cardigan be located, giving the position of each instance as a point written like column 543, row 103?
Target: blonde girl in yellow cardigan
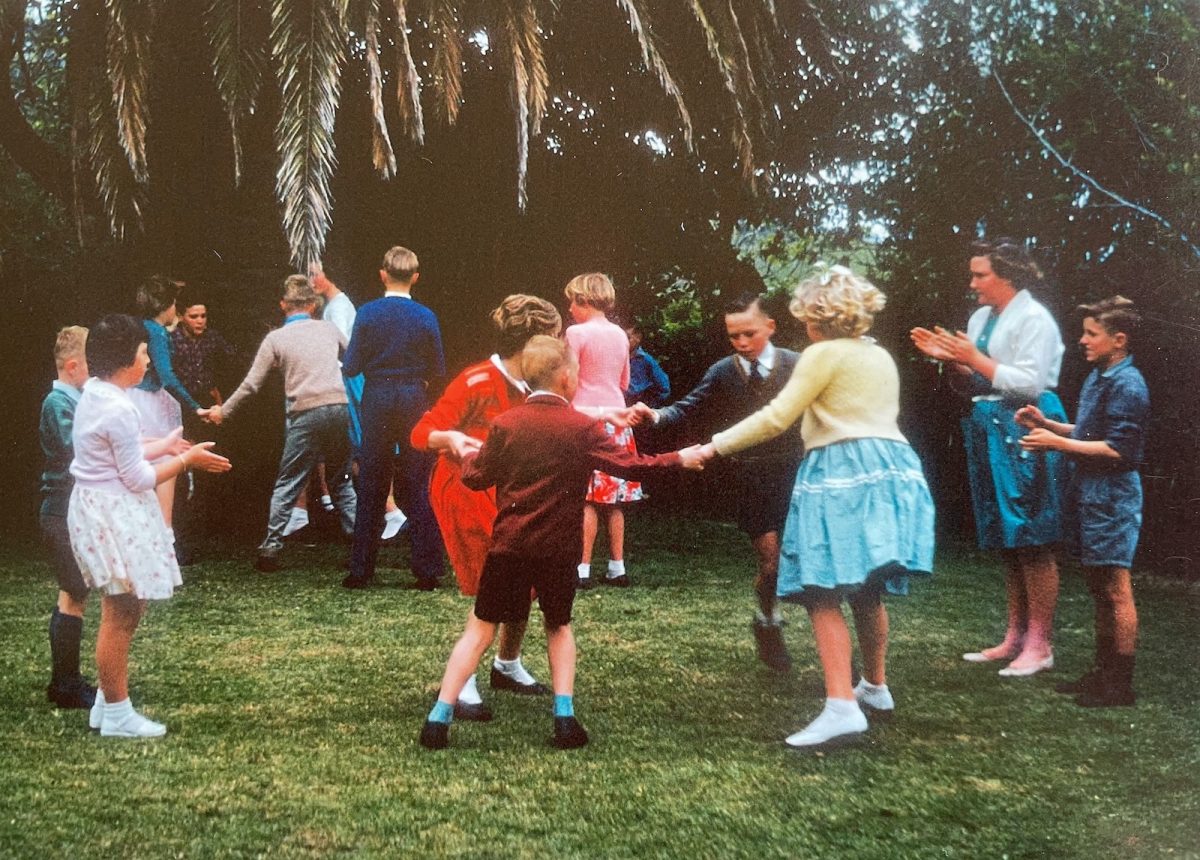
column 861, row 518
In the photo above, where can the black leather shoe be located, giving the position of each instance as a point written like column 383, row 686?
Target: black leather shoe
column 585, row 583
column 621, row 581
column 353, row 581
column 1090, row 682
column 435, row 736
column 76, row 694
column 500, row 681
column 266, row 563
column 569, row 734
column 771, row 648
column 478, row 712
column 426, row 583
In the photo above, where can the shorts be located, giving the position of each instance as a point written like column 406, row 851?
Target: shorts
column 507, row 581
column 1104, row 518
column 764, row 490
column 57, row 540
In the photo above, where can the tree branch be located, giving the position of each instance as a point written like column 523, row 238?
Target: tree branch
column 1085, row 177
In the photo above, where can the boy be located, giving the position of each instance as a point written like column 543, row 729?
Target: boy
column 397, row 345
column 762, row 477
column 540, row 457
column 306, row 351
column 1105, row 444
column 67, row 689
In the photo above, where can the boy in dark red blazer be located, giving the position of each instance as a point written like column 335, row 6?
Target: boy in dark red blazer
column 540, row 457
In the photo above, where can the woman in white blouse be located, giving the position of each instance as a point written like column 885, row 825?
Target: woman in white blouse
column 1009, row 356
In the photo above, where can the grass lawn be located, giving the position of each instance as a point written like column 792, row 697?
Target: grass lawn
column 293, row 709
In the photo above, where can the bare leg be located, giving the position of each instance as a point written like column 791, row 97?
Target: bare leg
column 1040, row 572
column 68, row 605
column 766, row 551
column 616, row 533
column 1014, row 635
column 119, row 617
column 512, row 634
column 833, row 645
column 591, row 524
column 1121, row 610
column 464, row 659
column 560, row 648
column 166, row 499
column 871, row 624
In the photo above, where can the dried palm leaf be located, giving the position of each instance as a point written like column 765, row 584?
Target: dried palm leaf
column 128, row 58
column 742, row 138
column 447, row 56
column 639, row 24
column 308, row 39
column 513, row 41
column 383, row 157
column 237, row 31
column 538, row 83
column 408, row 82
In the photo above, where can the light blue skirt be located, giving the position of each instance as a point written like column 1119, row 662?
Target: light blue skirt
column 861, row 514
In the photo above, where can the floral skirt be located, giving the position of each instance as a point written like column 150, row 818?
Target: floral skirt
column 122, row 544
column 608, row 490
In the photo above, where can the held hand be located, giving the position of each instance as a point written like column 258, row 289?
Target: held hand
column 645, row 415
column 1031, row 417
column 200, row 456
column 461, row 444
column 622, row 418
column 212, row 415
column 1041, row 439
column 692, row 458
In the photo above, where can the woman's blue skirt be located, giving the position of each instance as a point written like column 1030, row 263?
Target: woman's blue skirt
column 860, row 514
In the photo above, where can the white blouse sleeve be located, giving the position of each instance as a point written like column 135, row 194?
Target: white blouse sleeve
column 1030, row 356
column 123, row 438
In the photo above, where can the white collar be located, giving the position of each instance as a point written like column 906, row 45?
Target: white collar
column 518, row 384
column 542, row 391
column 766, row 359
column 397, row 294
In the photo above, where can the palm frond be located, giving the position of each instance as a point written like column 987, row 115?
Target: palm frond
column 98, row 157
column 408, row 82
column 742, row 137
column 447, row 56
column 128, row 58
column 532, row 35
column 639, row 24
column 383, row 157
column 308, row 39
column 513, row 41
column 237, row 33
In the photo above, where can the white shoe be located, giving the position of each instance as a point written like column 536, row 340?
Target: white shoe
column 393, row 521
column 829, row 730
column 122, row 721
column 1025, row 671
column 96, row 714
column 297, row 521
column 872, row 698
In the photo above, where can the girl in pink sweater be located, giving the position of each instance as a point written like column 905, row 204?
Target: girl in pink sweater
column 602, row 349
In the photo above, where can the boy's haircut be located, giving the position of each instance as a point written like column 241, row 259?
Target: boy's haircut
column 837, row 302
column 189, row 297
column 298, row 293
column 519, row 317
column 112, row 344
column 400, row 264
column 744, row 302
column 156, row 294
column 1010, row 260
column 1117, row 314
column 70, row 343
column 593, row 289
column 544, row 357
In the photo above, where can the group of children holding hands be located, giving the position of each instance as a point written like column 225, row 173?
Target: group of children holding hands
column 532, row 444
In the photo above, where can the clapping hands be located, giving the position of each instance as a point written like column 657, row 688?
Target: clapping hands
column 943, row 345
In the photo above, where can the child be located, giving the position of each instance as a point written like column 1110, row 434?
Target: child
column 67, row 689
column 761, row 478
column 456, row 425
column 602, row 350
column 861, row 517
column 305, row 351
column 118, row 534
column 539, row 456
column 1105, row 444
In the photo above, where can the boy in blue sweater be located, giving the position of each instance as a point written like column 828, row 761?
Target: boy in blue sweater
column 396, row 345
column 68, row 688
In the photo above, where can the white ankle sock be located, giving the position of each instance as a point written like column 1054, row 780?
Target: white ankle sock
column 875, row 696
column 514, row 670
column 470, row 693
column 585, row 570
column 616, row 568
column 841, row 717
column 96, row 714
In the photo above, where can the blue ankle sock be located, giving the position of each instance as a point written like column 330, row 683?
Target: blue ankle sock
column 564, row 706
column 441, row 713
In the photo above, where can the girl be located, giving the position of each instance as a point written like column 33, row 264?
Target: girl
column 1105, row 497
column 118, row 534
column 457, row 425
column 861, row 517
column 602, row 349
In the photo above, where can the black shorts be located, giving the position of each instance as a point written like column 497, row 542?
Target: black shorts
column 507, row 582
column 764, row 494
column 58, row 544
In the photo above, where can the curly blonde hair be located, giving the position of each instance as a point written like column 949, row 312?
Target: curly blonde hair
column 519, row 318
column 837, row 302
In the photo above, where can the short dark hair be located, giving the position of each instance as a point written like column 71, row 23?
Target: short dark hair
column 1117, row 314
column 744, row 302
column 112, row 344
column 156, row 294
column 1010, row 260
